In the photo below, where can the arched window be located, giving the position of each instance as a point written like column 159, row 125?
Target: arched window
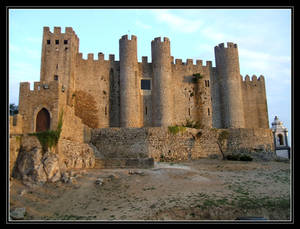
column 42, row 120
column 280, row 138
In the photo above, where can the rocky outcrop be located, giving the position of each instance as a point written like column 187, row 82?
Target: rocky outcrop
column 33, row 166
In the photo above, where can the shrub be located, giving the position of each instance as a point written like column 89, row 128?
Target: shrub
column 232, row 157
column 175, row 129
column 245, row 158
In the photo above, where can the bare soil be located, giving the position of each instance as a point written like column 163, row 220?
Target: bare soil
column 205, row 189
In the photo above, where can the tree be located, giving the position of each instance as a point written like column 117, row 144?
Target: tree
column 221, row 140
column 13, row 109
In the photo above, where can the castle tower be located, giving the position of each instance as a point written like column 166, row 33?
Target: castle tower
column 58, row 57
column 162, row 97
column 129, row 83
column 229, row 79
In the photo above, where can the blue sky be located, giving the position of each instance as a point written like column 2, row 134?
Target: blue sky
column 263, row 37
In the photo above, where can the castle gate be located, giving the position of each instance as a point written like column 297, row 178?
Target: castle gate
column 42, row 120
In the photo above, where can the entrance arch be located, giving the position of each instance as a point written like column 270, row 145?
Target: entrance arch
column 42, row 120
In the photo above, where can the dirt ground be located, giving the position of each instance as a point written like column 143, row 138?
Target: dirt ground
column 205, row 189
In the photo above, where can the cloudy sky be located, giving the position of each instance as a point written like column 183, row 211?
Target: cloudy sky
column 263, row 37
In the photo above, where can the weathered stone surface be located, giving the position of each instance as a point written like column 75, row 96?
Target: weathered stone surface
column 76, row 155
column 51, row 166
column 18, row 213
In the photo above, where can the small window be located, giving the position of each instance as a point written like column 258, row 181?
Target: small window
column 55, row 77
column 146, row 110
column 105, row 110
column 56, row 42
column 48, row 42
column 65, row 42
column 208, row 112
column 145, row 84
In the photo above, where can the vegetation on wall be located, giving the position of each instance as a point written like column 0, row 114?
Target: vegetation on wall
column 175, row 129
column 196, row 77
column 193, row 124
column 49, row 138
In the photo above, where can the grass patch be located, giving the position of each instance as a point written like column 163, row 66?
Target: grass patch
column 176, row 129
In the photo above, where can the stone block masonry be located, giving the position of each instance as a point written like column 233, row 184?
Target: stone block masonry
column 189, row 144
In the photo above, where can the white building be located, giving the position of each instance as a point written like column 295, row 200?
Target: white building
column 280, row 134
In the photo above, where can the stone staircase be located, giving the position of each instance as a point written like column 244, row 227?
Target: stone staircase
column 119, row 161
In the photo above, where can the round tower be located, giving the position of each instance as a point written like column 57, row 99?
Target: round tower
column 162, row 97
column 228, row 76
column 129, row 83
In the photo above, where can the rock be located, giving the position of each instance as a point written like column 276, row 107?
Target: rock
column 99, row 181
column 29, row 167
column 18, row 213
column 131, row 172
column 72, row 180
column 51, row 166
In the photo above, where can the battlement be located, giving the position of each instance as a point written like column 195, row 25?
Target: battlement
column 253, row 79
column 144, row 59
column 57, row 30
column 39, row 87
column 125, row 37
column 90, row 57
column 158, row 40
column 189, row 62
column 221, row 46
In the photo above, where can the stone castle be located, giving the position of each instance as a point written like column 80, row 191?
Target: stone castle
column 127, row 93
column 111, row 94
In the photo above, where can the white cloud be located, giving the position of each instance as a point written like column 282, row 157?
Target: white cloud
column 142, row 25
column 178, row 23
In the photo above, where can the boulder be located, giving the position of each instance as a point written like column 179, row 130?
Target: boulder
column 51, row 166
column 18, row 213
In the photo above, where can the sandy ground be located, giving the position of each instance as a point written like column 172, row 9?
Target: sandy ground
column 199, row 190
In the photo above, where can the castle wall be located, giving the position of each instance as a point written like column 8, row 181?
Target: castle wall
column 255, row 102
column 146, row 72
column 162, row 145
column 92, row 79
column 47, row 96
column 15, row 124
column 192, row 98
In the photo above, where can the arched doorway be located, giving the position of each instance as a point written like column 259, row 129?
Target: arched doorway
column 42, row 120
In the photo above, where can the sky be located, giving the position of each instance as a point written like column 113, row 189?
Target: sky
column 263, row 37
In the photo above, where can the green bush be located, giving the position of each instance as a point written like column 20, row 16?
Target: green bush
column 175, row 129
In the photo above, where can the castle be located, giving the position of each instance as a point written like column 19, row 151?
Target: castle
column 127, row 93
column 120, row 111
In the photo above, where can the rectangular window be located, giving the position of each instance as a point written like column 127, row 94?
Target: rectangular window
column 65, row 42
column 56, row 42
column 48, row 42
column 146, row 84
column 55, row 77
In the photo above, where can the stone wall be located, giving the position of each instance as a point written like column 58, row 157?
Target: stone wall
column 162, row 145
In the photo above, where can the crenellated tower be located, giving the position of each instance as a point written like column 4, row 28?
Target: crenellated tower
column 162, row 96
column 129, row 83
column 59, row 57
column 229, row 80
